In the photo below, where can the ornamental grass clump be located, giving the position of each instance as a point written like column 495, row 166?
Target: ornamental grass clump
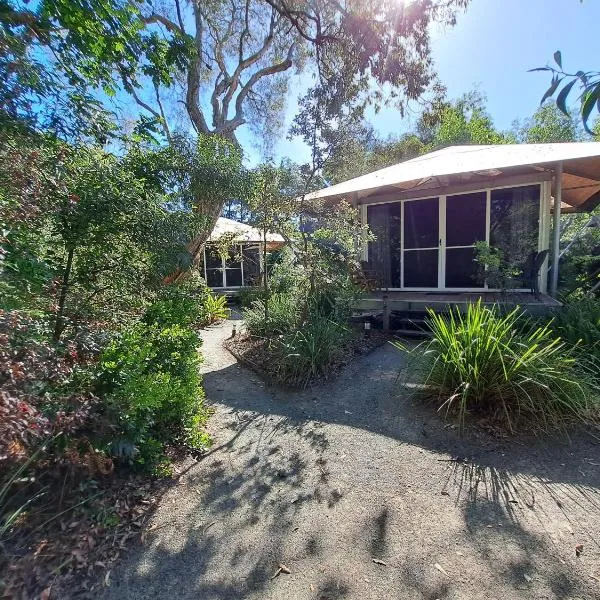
column 486, row 363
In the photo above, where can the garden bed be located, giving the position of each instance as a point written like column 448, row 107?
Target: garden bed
column 256, row 353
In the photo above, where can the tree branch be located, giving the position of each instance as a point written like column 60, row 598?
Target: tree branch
column 192, row 96
column 179, row 17
column 238, row 119
column 162, row 115
column 245, row 63
column 156, row 18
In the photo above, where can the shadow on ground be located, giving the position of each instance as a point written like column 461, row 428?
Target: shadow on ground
column 362, row 494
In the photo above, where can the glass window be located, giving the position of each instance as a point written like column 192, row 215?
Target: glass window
column 251, row 265
column 421, row 268
column 385, row 255
column 461, row 269
column 465, row 219
column 213, row 260
column 214, row 277
column 233, row 277
column 514, row 225
column 421, row 223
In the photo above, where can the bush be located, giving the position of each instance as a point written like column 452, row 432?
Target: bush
column 248, row 295
column 579, row 323
column 214, row 309
column 274, row 316
column 480, row 363
column 150, row 375
column 308, row 353
column 188, row 305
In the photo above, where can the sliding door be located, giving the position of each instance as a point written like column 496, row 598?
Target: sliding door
column 421, row 253
column 385, row 253
column 465, row 225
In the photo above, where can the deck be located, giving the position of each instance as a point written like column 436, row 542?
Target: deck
column 381, row 302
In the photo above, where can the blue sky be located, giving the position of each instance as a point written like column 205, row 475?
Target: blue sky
column 492, row 46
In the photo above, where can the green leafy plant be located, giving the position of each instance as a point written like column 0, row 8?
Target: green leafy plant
column 480, row 363
column 281, row 317
column 214, row 309
column 308, row 352
column 579, row 323
column 495, row 268
column 152, row 386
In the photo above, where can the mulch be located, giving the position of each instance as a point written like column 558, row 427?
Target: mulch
column 72, row 554
column 256, row 353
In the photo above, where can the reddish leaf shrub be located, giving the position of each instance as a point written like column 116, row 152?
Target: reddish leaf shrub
column 40, row 395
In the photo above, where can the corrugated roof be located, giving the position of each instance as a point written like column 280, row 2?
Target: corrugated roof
column 581, row 170
column 242, row 231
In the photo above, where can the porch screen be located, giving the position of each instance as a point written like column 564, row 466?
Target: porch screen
column 514, row 225
column 465, row 226
column 421, row 243
column 251, row 257
column 385, row 252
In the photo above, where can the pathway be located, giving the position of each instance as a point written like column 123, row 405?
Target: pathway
column 361, row 495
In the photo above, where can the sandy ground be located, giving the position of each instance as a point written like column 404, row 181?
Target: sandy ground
column 363, row 495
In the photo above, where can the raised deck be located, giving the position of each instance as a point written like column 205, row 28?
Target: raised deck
column 381, row 302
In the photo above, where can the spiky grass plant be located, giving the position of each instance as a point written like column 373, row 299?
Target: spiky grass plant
column 481, row 362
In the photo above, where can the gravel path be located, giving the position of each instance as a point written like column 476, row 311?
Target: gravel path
column 363, row 495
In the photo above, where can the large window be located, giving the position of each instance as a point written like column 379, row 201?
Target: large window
column 465, row 226
column 229, row 271
column 421, row 243
column 430, row 243
column 514, row 225
column 385, row 252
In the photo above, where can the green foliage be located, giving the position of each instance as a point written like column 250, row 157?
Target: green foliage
column 499, row 271
column 308, row 352
column 214, row 309
column 246, row 296
column 57, row 52
column 548, row 125
column 578, row 322
column 480, row 363
column 587, row 83
column 86, row 235
column 278, row 314
column 152, row 387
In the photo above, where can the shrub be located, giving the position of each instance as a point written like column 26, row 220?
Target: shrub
column 151, row 379
column 213, row 309
column 479, row 362
column 579, row 323
column 274, row 316
column 308, row 352
column 188, row 304
column 248, row 295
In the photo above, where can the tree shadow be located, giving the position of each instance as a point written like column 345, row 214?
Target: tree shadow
column 262, row 496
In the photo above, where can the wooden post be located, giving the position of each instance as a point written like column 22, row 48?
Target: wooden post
column 386, row 312
column 556, row 228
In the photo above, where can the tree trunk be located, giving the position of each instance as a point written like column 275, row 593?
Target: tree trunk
column 59, row 324
column 196, row 246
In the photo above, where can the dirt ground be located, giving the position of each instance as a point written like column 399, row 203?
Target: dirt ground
column 362, row 494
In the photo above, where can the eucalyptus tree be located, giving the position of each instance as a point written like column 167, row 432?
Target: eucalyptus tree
column 566, row 84
column 228, row 63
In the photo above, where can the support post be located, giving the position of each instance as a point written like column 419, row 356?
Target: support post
column 556, row 228
column 386, row 312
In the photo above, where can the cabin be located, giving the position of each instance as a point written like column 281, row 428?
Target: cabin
column 430, row 214
column 241, row 264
